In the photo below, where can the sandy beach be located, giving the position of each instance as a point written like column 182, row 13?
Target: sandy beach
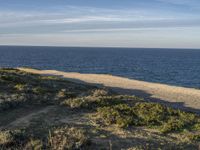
column 178, row 97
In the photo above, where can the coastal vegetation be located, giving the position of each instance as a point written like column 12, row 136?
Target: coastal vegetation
column 47, row 112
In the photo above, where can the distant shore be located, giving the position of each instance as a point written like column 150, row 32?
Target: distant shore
column 178, row 97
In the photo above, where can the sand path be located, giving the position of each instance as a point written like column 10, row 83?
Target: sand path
column 25, row 120
column 180, row 97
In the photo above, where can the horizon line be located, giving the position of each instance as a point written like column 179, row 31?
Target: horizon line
column 61, row 46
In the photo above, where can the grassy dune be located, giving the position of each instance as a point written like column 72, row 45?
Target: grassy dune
column 45, row 112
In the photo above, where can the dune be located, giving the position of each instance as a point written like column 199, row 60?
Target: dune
column 178, row 97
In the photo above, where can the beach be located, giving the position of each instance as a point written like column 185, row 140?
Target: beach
column 177, row 97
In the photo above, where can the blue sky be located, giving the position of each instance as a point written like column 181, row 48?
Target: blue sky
column 127, row 23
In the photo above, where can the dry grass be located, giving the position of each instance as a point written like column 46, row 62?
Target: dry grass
column 67, row 138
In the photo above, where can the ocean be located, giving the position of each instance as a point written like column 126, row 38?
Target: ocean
column 180, row 67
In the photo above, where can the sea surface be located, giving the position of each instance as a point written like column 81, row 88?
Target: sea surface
column 179, row 67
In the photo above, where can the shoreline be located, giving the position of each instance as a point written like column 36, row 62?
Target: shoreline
column 178, row 97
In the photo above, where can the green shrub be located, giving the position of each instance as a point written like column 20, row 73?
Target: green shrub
column 180, row 121
column 91, row 102
column 20, row 87
column 194, row 137
column 76, row 103
column 12, row 78
column 64, row 93
column 150, row 113
column 196, row 126
column 121, row 115
column 147, row 114
column 39, row 90
column 173, row 124
column 7, row 77
column 48, row 78
column 100, row 92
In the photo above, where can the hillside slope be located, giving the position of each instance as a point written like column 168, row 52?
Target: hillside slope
column 46, row 112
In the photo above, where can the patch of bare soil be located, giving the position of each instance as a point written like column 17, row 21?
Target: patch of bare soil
column 21, row 117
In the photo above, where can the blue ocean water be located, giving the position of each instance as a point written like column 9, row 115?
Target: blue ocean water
column 170, row 66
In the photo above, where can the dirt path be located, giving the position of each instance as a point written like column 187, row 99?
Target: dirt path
column 180, row 97
column 25, row 119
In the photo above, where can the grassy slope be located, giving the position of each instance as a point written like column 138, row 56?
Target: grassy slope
column 48, row 112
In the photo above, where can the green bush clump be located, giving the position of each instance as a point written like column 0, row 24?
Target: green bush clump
column 8, row 78
column 197, row 125
column 147, row 114
column 100, row 92
column 20, row 87
column 81, row 102
column 194, row 137
column 173, row 124
column 13, row 78
column 150, row 113
column 39, row 90
column 121, row 115
column 93, row 102
column 63, row 93
column 179, row 121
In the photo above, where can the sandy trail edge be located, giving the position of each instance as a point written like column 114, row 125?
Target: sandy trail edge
column 179, row 97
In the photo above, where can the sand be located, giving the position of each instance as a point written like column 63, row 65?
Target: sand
column 178, row 97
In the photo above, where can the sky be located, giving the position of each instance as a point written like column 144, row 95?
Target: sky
column 101, row 23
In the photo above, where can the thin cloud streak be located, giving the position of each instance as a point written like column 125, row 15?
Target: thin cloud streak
column 74, row 14
column 15, row 18
column 79, row 15
column 85, row 22
column 90, row 19
column 190, row 4
column 181, row 2
column 147, row 38
column 103, row 30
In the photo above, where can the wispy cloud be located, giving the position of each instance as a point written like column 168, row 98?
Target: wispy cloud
column 81, row 15
column 156, row 37
column 193, row 4
column 29, row 20
column 84, row 18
